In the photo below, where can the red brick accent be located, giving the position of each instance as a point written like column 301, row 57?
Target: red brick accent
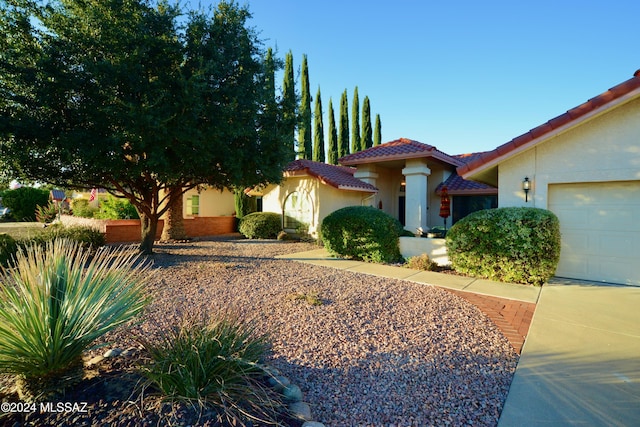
column 512, row 317
column 128, row 230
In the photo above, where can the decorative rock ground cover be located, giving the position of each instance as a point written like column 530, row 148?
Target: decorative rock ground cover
column 376, row 352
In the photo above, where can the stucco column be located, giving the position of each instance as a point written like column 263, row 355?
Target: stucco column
column 366, row 173
column 416, row 174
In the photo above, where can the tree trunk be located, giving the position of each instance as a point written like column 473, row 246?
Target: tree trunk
column 173, row 220
column 148, row 228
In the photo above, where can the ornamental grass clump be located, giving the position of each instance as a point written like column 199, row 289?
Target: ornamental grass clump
column 54, row 303
column 215, row 365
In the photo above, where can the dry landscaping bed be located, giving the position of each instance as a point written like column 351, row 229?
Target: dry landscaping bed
column 364, row 350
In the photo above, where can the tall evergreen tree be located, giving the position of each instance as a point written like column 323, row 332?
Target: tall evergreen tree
column 305, row 141
column 332, row 155
column 289, row 105
column 355, row 123
column 377, row 133
column 367, row 132
column 343, row 126
column 318, row 131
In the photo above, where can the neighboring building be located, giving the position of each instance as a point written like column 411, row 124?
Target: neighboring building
column 583, row 165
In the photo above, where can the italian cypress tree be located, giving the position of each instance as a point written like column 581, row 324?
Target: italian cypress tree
column 377, row 135
column 304, row 130
column 367, row 132
column 355, row 122
column 318, row 131
column 289, row 104
column 333, row 137
column 343, row 127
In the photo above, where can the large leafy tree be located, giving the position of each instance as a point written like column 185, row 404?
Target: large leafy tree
column 127, row 96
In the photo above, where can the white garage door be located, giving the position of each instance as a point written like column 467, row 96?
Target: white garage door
column 600, row 226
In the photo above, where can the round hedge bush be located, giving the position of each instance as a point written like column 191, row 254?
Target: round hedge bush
column 260, row 225
column 8, row 249
column 362, row 233
column 518, row 245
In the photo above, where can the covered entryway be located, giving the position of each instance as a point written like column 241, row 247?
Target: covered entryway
column 600, row 226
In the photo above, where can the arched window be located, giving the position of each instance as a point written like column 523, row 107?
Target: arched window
column 297, row 211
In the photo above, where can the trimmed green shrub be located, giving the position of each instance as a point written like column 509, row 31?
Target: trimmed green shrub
column 363, row 233
column 23, row 202
column 519, row 245
column 86, row 237
column 8, row 249
column 216, row 364
column 260, row 225
column 54, row 303
column 81, row 208
column 116, row 208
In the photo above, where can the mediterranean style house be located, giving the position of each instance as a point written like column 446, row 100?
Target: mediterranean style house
column 403, row 178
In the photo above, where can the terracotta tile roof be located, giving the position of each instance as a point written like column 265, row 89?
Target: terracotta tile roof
column 340, row 177
column 458, row 186
column 490, row 158
column 399, row 149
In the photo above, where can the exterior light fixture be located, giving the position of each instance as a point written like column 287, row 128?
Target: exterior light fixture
column 526, row 186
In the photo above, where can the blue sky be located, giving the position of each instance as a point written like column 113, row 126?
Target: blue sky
column 464, row 76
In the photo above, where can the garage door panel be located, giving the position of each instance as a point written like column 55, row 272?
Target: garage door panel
column 600, row 226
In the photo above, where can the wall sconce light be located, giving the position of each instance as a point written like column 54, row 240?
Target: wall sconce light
column 526, row 186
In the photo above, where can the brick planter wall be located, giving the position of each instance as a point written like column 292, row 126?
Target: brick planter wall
column 128, row 230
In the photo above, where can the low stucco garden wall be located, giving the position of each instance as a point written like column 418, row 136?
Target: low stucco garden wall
column 435, row 248
column 128, row 230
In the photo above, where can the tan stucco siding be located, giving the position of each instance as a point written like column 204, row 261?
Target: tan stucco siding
column 606, row 148
column 324, row 199
column 212, row 202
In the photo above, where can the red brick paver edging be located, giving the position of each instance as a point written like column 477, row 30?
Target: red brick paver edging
column 512, row 317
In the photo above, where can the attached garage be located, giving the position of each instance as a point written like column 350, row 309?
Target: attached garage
column 583, row 165
column 600, row 226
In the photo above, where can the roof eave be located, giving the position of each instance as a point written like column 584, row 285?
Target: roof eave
column 468, row 171
column 350, row 188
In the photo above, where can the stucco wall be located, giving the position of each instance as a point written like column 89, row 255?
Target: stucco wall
column 212, row 202
column 607, row 148
column 331, row 198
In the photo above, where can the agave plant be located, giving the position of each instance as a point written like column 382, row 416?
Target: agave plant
column 55, row 302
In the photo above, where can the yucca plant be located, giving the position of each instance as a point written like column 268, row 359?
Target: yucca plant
column 55, row 302
column 214, row 364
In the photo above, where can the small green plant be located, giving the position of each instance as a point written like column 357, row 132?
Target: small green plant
column 422, row 262
column 54, row 303
column 261, row 225
column 46, row 214
column 214, row 364
column 362, row 232
column 519, row 245
column 8, row 249
column 310, row 297
column 87, row 237
column 116, row 208
column 82, row 208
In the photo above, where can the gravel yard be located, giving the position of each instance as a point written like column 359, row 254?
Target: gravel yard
column 376, row 352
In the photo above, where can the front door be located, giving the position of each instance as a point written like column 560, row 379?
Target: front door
column 401, row 209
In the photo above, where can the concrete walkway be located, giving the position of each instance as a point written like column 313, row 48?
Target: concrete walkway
column 580, row 364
